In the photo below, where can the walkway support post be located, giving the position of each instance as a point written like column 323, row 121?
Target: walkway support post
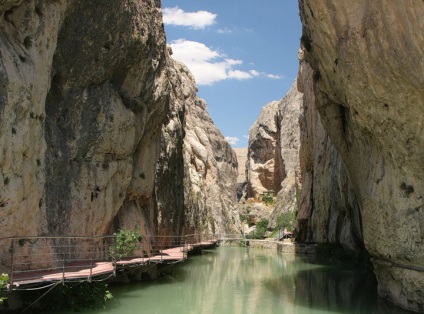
column 11, row 265
column 91, row 259
column 63, row 262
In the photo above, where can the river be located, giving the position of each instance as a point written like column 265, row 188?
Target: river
column 242, row 280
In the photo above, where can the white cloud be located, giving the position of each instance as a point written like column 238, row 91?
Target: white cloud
column 274, row 76
column 246, row 136
column 232, row 140
column 208, row 66
column 224, row 31
column 240, row 75
column 196, row 20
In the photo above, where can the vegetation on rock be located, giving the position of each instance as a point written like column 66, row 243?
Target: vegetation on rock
column 4, row 280
column 125, row 243
column 286, row 220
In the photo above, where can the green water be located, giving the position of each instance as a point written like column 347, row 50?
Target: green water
column 242, row 280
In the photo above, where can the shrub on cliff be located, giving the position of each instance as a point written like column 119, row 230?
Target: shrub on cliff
column 4, row 280
column 125, row 243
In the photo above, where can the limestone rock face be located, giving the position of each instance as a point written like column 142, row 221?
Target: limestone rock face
column 368, row 63
column 287, row 158
column 93, row 115
column 328, row 209
column 241, row 154
column 262, row 174
column 211, row 167
column 273, row 154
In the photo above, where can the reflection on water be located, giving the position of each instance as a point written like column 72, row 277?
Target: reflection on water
column 242, row 280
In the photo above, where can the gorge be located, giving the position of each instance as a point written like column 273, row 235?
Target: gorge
column 101, row 130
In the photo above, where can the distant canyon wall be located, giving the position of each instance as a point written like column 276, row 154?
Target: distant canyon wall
column 366, row 66
column 273, row 153
column 96, row 120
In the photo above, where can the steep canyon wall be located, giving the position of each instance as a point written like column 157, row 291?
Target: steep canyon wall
column 366, row 67
column 95, row 121
column 328, row 209
column 273, row 153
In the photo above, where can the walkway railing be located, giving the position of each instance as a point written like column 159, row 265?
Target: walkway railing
column 41, row 260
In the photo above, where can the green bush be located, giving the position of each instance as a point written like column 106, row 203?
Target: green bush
column 4, row 280
column 261, row 228
column 268, row 197
column 246, row 218
column 286, row 220
column 125, row 243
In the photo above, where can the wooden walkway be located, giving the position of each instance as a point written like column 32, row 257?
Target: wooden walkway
column 99, row 270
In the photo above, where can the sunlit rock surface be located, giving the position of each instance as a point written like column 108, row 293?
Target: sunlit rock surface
column 95, row 118
column 367, row 66
column 273, row 153
column 210, row 165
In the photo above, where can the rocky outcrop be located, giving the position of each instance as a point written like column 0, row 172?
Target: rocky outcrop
column 93, row 118
column 368, row 91
column 273, row 155
column 328, row 210
column 210, row 165
column 241, row 154
column 262, row 171
column 288, row 146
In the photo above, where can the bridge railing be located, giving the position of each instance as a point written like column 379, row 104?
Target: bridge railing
column 33, row 257
column 157, row 245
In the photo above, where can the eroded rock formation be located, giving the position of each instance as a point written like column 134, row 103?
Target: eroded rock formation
column 94, row 115
column 210, row 164
column 367, row 66
column 262, row 171
column 273, row 155
column 241, row 154
column 328, row 210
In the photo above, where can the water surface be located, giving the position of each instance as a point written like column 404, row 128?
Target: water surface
column 242, row 280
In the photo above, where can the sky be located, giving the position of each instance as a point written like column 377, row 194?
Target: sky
column 242, row 53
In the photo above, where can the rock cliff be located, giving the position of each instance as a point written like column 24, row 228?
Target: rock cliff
column 211, row 168
column 328, row 209
column 367, row 66
column 241, row 154
column 262, row 171
column 273, row 153
column 95, row 118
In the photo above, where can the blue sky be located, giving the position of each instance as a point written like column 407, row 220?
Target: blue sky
column 243, row 55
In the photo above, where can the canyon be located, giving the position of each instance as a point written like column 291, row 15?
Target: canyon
column 101, row 130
